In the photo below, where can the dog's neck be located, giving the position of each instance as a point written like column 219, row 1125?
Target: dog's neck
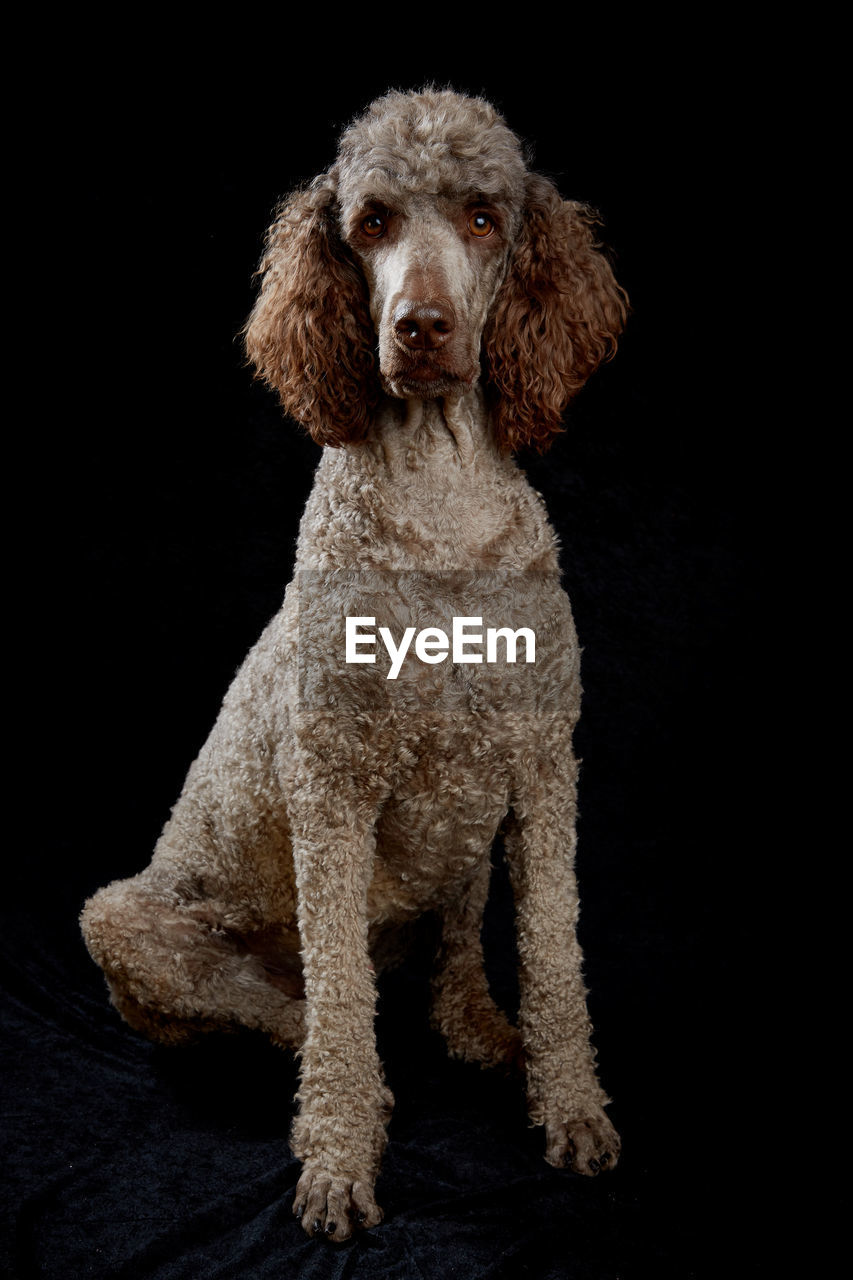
column 427, row 490
column 420, row 435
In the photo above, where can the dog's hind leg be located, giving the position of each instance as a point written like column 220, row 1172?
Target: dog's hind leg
column 463, row 1009
column 173, row 971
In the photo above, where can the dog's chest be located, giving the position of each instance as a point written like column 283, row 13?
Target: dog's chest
column 440, row 822
column 437, row 736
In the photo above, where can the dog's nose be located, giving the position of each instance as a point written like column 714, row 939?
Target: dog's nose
column 423, row 326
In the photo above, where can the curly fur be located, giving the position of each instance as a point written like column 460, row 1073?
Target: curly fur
column 427, row 307
column 556, row 317
column 310, row 336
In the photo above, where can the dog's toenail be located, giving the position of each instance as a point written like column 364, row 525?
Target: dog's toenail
column 361, row 1216
column 318, row 1226
column 331, row 1228
column 594, row 1165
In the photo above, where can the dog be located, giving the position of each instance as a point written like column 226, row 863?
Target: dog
column 428, row 307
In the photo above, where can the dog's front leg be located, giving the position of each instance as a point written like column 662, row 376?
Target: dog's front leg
column 563, row 1092
column 339, row 1132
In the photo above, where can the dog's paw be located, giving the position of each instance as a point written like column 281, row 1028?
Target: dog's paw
column 588, row 1144
column 333, row 1207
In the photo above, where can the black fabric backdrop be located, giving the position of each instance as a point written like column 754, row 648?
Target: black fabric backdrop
column 170, row 490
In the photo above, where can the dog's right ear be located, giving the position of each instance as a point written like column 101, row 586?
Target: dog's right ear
column 310, row 335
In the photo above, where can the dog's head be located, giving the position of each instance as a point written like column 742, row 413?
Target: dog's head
column 427, row 257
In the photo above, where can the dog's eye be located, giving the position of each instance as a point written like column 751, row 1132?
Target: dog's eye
column 480, row 224
column 374, row 225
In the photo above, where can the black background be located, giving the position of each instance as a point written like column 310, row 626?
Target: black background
column 164, row 493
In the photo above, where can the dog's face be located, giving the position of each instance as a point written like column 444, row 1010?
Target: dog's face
column 433, row 267
column 426, row 255
column 431, row 218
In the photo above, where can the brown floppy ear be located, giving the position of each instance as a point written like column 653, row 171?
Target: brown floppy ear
column 555, row 318
column 310, row 335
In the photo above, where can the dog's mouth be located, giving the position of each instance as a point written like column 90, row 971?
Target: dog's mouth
column 426, row 377
column 424, row 388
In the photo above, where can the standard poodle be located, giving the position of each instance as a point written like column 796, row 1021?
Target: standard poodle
column 428, row 307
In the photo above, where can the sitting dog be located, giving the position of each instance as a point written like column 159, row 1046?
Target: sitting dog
column 428, row 307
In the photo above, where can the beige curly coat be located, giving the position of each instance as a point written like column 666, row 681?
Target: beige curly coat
column 331, row 805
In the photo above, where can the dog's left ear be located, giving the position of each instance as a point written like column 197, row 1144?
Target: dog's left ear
column 310, row 335
column 556, row 317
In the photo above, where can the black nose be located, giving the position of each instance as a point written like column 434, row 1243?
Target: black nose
column 423, row 326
